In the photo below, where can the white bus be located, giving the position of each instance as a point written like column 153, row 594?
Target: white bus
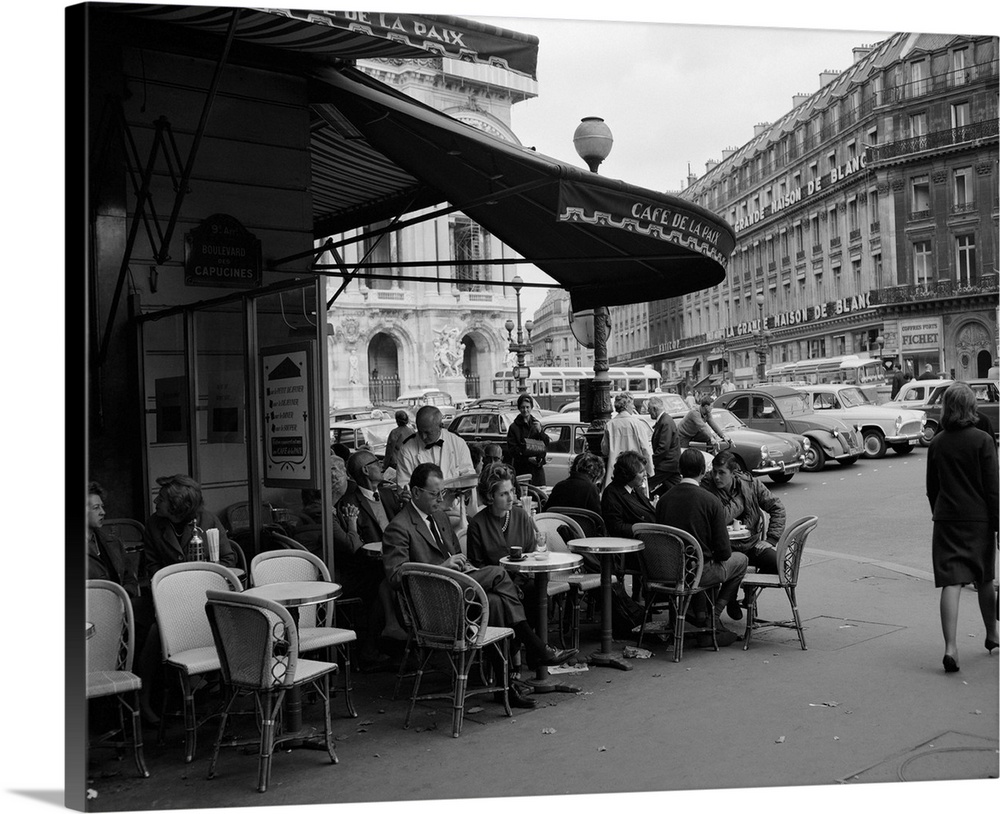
column 552, row 387
column 866, row 372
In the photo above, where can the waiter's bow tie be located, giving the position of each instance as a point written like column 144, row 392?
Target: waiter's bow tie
column 438, row 443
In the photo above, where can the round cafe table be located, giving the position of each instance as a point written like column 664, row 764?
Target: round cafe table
column 553, row 562
column 606, row 548
column 738, row 535
column 295, row 595
column 373, row 550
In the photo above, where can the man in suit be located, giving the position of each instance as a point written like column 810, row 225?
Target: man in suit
column 666, row 449
column 377, row 503
column 421, row 532
column 695, row 510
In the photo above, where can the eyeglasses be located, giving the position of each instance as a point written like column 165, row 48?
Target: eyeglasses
column 434, row 495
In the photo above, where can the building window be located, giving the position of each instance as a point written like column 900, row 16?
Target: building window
column 852, row 150
column 877, row 88
column 918, row 125
column 965, row 259
column 872, row 137
column 960, row 115
column 922, row 270
column 378, row 249
column 470, row 245
column 958, row 72
column 839, row 345
column 817, row 348
column 834, row 225
column 963, row 189
column 877, row 269
column 797, row 180
column 852, row 216
column 799, row 245
column 831, row 162
column 856, row 274
column 813, row 171
column 814, row 230
column 873, row 206
column 921, row 195
column 918, row 77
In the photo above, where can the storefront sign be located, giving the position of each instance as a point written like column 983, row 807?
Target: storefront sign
column 845, row 305
column 819, row 184
column 290, row 450
column 920, row 334
column 222, row 254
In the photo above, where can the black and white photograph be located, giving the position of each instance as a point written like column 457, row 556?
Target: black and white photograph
column 491, row 403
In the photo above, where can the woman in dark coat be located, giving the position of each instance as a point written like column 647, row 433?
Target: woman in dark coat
column 962, row 487
column 526, row 431
column 581, row 490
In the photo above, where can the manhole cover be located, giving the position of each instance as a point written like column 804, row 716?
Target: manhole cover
column 825, row 633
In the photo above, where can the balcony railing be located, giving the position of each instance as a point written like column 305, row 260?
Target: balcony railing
column 800, row 254
column 959, row 209
column 923, row 214
column 874, row 227
column 855, row 235
column 985, row 284
column 834, row 242
column 930, row 141
column 817, row 248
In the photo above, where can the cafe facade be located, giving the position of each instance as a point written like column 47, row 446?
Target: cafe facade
column 867, row 212
column 226, row 165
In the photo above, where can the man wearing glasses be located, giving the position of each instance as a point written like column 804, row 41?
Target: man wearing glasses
column 421, row 532
column 377, row 503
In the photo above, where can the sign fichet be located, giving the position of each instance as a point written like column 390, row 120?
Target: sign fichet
column 222, row 254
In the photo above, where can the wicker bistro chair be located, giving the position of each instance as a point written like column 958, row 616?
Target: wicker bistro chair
column 109, row 659
column 450, row 614
column 286, row 543
column 315, row 622
column 672, row 563
column 185, row 637
column 241, row 562
column 258, row 648
column 790, row 546
column 132, row 533
column 580, row 583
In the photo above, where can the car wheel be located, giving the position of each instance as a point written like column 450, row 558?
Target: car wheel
column 901, row 449
column 930, row 430
column 815, row 459
column 874, row 444
column 848, row 461
column 781, row 477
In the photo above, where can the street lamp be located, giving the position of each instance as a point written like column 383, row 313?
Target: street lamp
column 763, row 341
column 548, row 351
column 592, row 140
column 879, row 344
column 519, row 347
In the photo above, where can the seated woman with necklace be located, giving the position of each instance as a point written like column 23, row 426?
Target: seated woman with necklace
column 500, row 523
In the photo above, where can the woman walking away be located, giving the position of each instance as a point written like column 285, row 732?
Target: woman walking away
column 962, row 486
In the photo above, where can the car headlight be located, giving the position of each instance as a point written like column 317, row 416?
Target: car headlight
column 857, row 428
column 899, row 423
column 763, row 452
column 923, row 421
column 806, row 443
column 835, row 432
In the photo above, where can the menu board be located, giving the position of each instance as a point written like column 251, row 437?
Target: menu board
column 287, row 392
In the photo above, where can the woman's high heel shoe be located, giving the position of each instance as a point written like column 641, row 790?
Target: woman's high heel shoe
column 991, row 646
column 950, row 665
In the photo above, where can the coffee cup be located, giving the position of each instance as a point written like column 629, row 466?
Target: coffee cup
column 516, row 552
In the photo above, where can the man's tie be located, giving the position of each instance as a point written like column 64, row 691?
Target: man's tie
column 375, row 497
column 435, row 532
column 438, row 443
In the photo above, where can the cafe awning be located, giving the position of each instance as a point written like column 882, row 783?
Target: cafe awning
column 606, row 241
column 710, row 381
column 334, row 36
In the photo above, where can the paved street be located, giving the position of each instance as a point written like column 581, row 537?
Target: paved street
column 867, row 702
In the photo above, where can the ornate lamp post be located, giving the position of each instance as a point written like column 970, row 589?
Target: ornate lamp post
column 593, row 141
column 519, row 347
column 763, row 341
column 548, row 351
column 879, row 344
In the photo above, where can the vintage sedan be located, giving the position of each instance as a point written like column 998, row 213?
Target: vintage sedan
column 366, row 432
column 881, row 426
column 778, row 455
column 778, row 408
column 987, row 403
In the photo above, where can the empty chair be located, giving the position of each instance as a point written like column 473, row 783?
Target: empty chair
column 450, row 614
column 185, row 637
column 672, row 563
column 258, row 648
column 109, row 659
column 591, row 523
column 241, row 562
column 287, row 543
column 315, row 622
column 790, row 546
column 579, row 584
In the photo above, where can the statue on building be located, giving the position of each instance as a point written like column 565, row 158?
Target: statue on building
column 353, row 366
column 447, row 353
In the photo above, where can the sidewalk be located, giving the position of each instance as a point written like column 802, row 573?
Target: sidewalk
column 867, row 702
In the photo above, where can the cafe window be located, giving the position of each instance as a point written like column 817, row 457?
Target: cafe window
column 965, row 259
column 922, row 266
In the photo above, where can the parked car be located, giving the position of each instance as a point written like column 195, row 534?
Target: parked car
column 415, row 399
column 779, row 455
column 881, row 426
column 350, row 413
column 778, row 408
column 484, row 426
column 369, row 432
column 671, row 403
column 915, row 393
column 987, row 403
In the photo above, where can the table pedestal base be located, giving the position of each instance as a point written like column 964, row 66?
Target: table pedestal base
column 609, row 660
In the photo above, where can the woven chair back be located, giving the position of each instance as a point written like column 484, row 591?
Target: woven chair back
column 293, row 566
column 179, row 599
column 550, row 523
column 109, row 610
column 448, row 610
column 790, row 547
column 591, row 522
column 287, row 543
column 238, row 517
column 130, row 532
column 255, row 638
column 671, row 557
column 241, row 558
